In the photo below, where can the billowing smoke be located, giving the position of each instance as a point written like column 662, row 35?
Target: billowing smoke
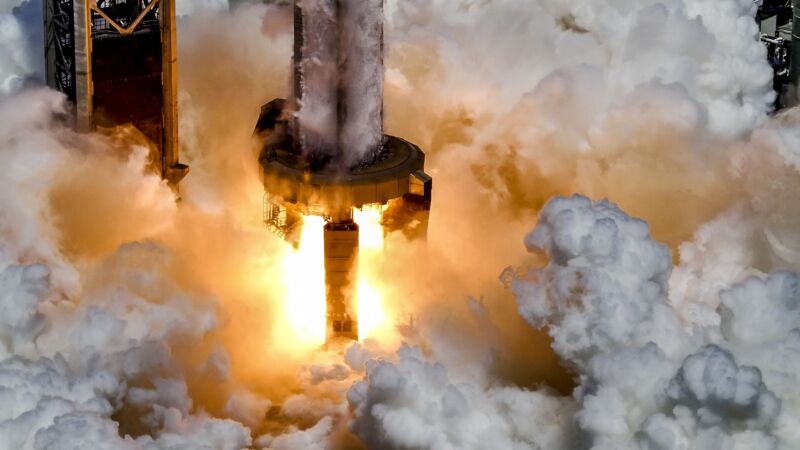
column 318, row 83
column 604, row 298
column 339, row 78
column 21, row 44
column 188, row 7
column 76, row 350
column 666, row 317
column 647, row 379
column 631, row 102
column 362, row 75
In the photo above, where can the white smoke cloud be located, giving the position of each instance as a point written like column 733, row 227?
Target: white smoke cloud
column 606, row 49
column 67, row 401
column 21, row 44
column 695, row 352
column 606, row 284
column 362, row 74
column 341, row 79
column 644, row 379
column 6, row 6
column 414, row 404
column 760, row 311
column 75, row 349
column 32, row 153
column 711, row 383
column 716, row 404
column 79, row 365
column 14, row 60
column 319, row 83
column 189, row 7
column 314, row 438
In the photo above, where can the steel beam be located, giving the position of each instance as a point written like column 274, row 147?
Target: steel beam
column 84, row 108
column 172, row 170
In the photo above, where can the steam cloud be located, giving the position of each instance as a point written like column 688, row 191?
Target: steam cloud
column 341, row 72
column 674, row 307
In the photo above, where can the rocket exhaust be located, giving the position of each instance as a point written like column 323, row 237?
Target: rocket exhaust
column 324, row 151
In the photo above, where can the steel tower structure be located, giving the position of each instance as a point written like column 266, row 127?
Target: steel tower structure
column 116, row 61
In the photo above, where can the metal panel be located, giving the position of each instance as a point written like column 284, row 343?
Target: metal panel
column 421, row 184
column 172, row 170
column 769, row 27
column 387, row 191
column 364, row 194
column 341, row 255
column 84, row 104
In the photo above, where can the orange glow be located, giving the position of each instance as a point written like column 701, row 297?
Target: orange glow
column 371, row 314
column 304, row 278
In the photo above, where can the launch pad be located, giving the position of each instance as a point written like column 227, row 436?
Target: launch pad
column 325, row 153
column 295, row 187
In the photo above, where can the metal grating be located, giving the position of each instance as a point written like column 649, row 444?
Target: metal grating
column 60, row 46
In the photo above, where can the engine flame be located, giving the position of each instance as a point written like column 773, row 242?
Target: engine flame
column 304, row 278
column 305, row 305
column 371, row 315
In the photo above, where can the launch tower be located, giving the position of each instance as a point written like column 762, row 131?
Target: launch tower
column 325, row 152
column 115, row 60
column 779, row 23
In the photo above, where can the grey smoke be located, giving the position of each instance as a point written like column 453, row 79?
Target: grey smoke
column 341, row 106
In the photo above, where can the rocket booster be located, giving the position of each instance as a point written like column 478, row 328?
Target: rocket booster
column 338, row 79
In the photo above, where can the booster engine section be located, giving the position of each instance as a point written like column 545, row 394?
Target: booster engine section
column 324, row 151
column 338, row 78
column 294, row 188
column 341, row 255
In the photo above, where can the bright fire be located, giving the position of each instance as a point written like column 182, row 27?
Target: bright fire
column 304, row 278
column 370, row 240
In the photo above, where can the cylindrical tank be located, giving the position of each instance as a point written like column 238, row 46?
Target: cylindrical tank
column 338, row 85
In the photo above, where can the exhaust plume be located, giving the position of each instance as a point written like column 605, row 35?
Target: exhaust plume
column 613, row 162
